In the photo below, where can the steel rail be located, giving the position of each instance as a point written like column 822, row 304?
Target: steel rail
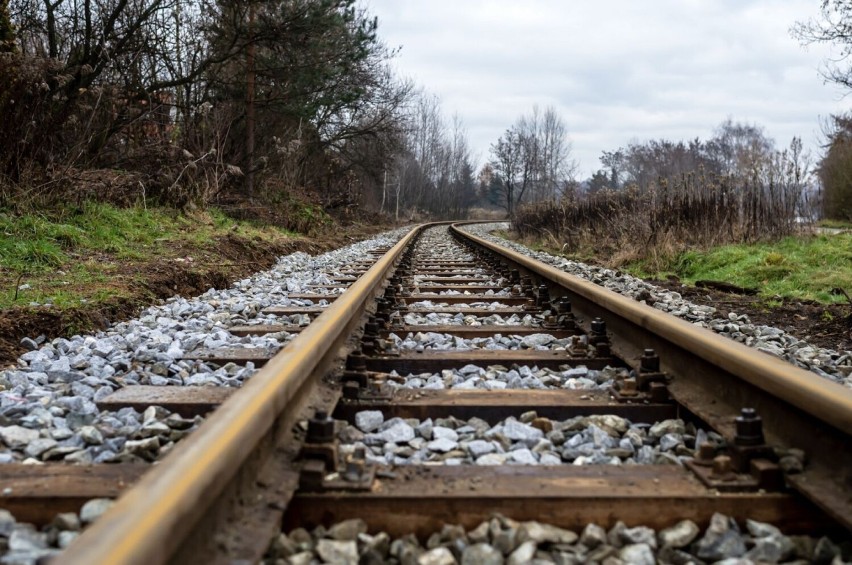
column 149, row 521
column 822, row 399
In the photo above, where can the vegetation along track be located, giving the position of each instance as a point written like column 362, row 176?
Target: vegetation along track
column 476, row 381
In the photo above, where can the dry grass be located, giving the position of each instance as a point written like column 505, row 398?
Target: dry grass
column 656, row 224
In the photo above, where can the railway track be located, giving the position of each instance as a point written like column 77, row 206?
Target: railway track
column 454, row 379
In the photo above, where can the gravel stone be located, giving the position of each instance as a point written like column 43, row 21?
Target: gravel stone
column 348, row 530
column 545, row 533
column 523, row 554
column 593, row 536
column 437, row 556
column 722, row 540
column 17, row 436
column 334, row 551
column 637, row 554
column 680, row 535
column 501, row 540
column 826, row 363
column 94, row 508
column 481, row 554
column 369, row 420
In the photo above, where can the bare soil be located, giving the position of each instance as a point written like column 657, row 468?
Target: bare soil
column 823, row 325
column 185, row 270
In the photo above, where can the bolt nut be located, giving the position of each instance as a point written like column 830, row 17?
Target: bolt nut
column 354, row 469
column 749, row 428
column 658, row 392
column 598, row 327
column 706, row 452
column 723, row 469
column 563, row 306
column 649, row 362
column 628, row 387
column 356, row 361
column 320, row 428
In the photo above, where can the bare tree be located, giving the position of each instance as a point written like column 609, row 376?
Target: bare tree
column 533, row 157
column 832, row 26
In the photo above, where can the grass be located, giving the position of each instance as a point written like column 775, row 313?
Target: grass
column 801, row 267
column 69, row 258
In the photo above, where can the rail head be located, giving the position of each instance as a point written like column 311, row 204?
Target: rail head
column 819, row 397
column 149, row 521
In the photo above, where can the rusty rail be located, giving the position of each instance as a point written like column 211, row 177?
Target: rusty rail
column 716, row 377
column 150, row 520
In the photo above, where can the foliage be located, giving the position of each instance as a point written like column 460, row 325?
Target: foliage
column 156, row 91
column 663, row 218
column 89, row 253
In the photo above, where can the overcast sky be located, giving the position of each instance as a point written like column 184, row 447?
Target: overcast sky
column 616, row 70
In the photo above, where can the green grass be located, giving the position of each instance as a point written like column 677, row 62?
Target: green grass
column 68, row 257
column 804, row 267
column 34, row 242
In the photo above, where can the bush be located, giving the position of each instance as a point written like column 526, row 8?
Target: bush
column 665, row 218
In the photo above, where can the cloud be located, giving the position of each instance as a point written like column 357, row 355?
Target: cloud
column 618, row 70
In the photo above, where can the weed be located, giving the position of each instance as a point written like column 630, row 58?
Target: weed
column 773, row 259
column 43, row 249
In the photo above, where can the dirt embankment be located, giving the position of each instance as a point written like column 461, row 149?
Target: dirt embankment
column 823, row 325
column 187, row 270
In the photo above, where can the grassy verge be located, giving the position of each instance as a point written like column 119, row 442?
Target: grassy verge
column 98, row 252
column 801, row 267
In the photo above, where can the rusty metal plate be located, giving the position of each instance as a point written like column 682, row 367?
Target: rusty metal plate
column 424, row 498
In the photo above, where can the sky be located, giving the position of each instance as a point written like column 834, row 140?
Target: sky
column 617, row 71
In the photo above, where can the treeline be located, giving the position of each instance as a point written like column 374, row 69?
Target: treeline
column 530, row 162
column 659, row 197
column 198, row 101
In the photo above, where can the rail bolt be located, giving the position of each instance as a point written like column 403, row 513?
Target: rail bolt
column 320, row 428
column 563, row 305
column 351, row 390
column 371, row 328
column 628, row 387
column 749, row 428
column 649, row 362
column 354, row 470
column 658, row 392
column 705, row 454
column 312, row 475
column 356, row 361
column 723, row 469
column 515, row 276
column 598, row 327
column 543, row 299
